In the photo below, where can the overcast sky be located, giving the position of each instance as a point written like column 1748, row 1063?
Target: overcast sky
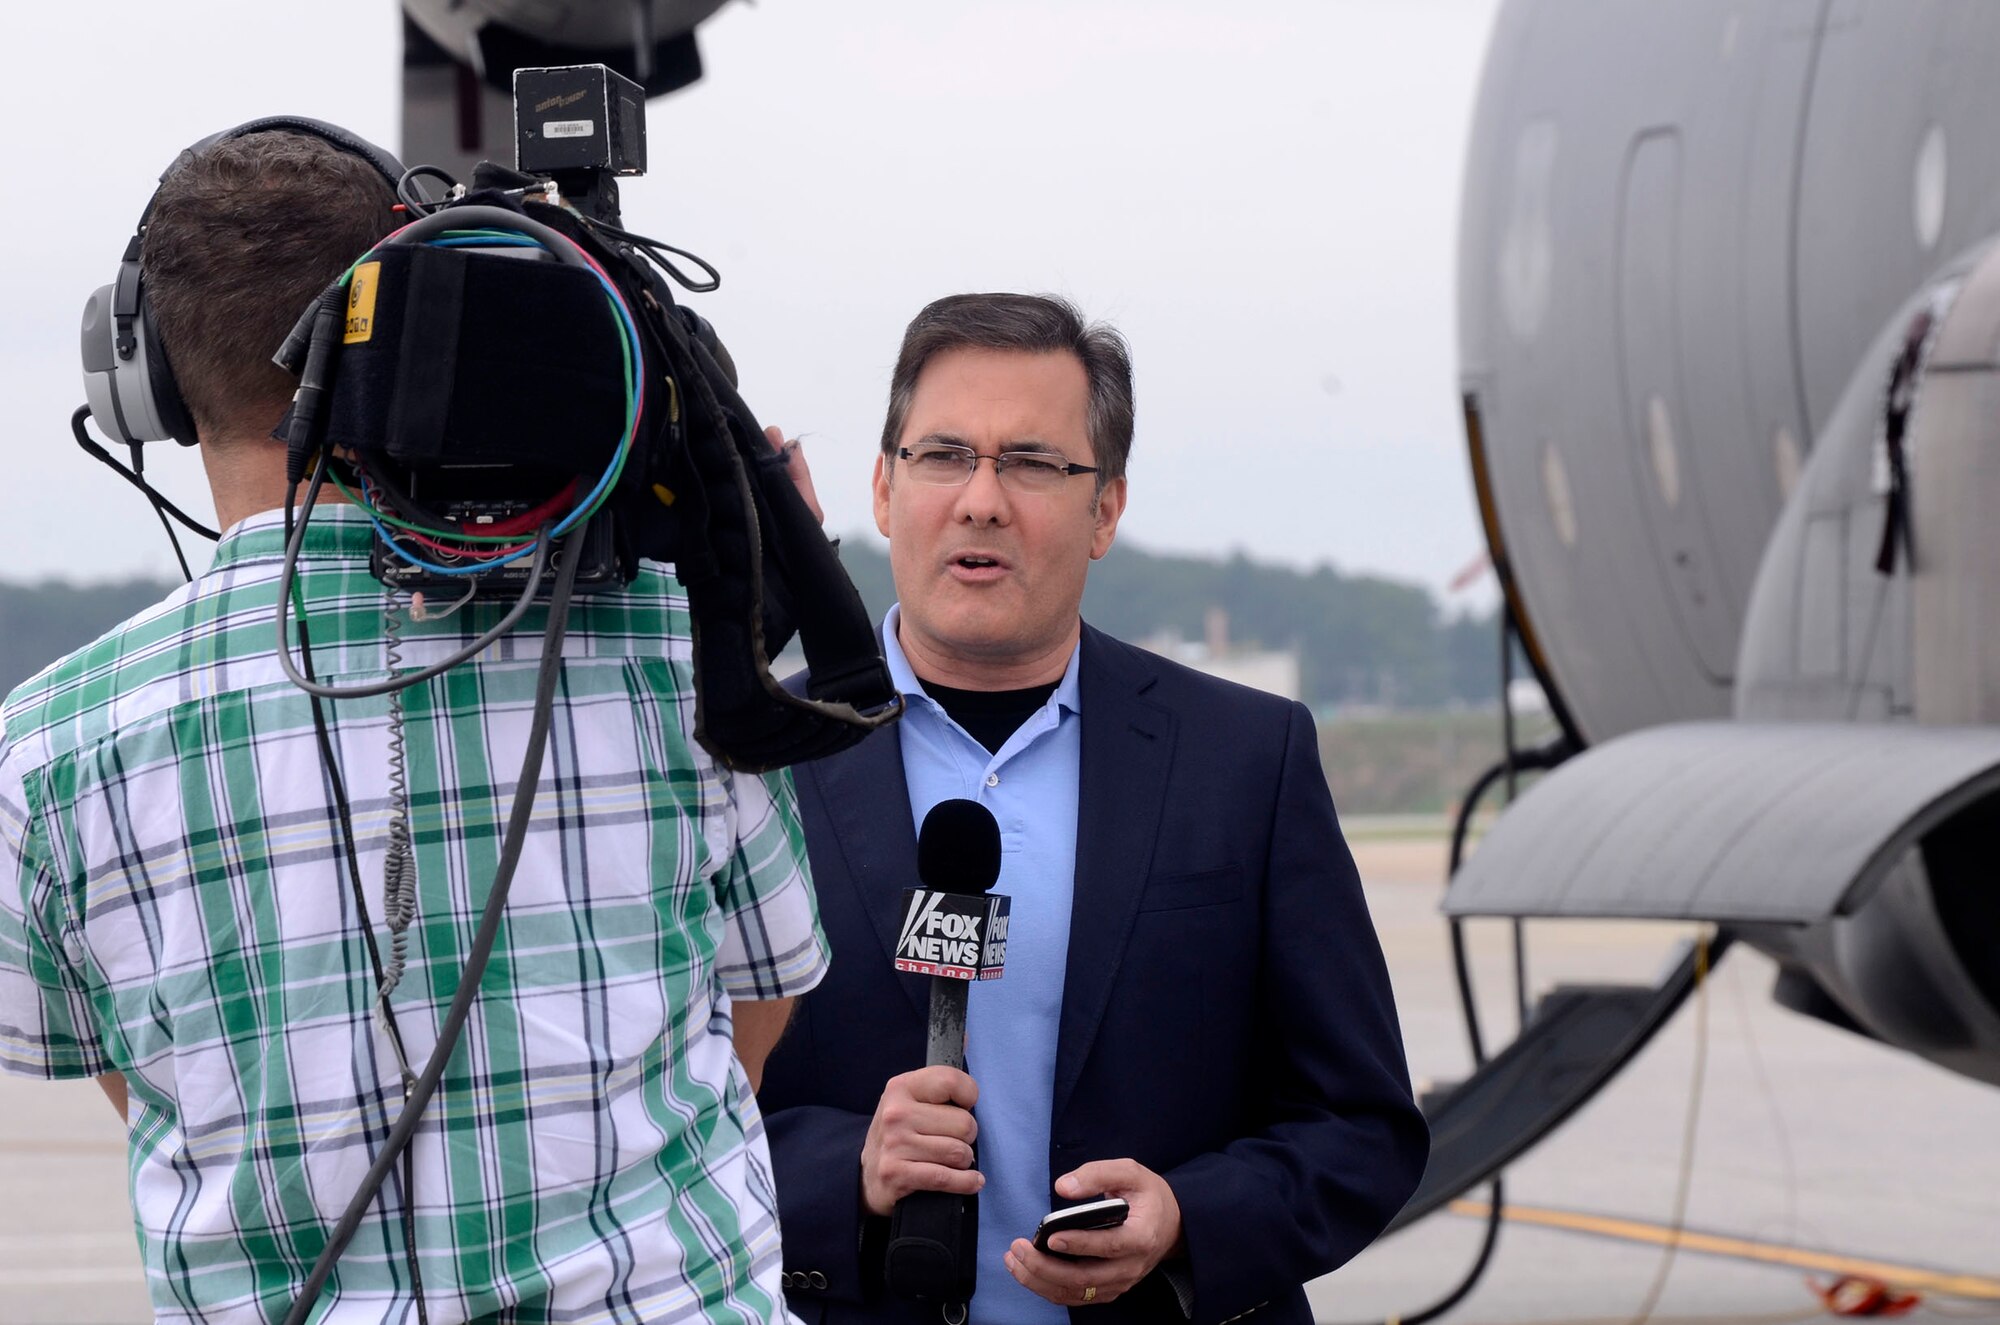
column 1263, row 197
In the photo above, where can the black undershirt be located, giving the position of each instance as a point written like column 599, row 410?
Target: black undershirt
column 990, row 716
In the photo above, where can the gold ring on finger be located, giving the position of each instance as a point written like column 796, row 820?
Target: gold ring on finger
column 1090, row 1293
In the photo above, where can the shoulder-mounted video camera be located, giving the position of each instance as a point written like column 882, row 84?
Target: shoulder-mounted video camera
column 511, row 368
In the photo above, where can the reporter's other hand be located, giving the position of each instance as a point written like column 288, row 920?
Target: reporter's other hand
column 1113, row 1259
column 795, row 465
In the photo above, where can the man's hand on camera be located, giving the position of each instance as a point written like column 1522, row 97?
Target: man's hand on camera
column 795, row 465
column 1115, row 1258
column 920, row 1139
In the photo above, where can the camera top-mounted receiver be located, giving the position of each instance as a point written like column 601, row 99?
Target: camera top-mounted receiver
column 581, row 125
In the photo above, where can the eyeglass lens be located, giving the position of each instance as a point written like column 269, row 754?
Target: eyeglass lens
column 950, row 466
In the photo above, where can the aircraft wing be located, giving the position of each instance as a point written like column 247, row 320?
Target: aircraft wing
column 1735, row 822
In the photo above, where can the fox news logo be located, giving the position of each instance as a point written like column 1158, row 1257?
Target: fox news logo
column 960, row 936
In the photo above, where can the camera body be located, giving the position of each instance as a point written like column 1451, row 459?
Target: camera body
column 577, row 128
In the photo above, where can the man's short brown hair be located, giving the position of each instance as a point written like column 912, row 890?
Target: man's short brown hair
column 241, row 238
column 1033, row 324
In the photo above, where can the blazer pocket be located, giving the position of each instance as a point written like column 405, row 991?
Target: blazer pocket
column 1176, row 892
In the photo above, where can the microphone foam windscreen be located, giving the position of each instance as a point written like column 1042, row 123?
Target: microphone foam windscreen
column 958, row 849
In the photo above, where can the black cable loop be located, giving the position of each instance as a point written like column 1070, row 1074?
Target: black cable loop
column 160, row 503
column 1511, row 763
column 396, row 683
column 1507, row 759
column 412, row 199
column 651, row 250
column 139, row 470
column 288, row 578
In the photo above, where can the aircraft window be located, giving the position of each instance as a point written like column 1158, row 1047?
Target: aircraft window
column 1928, row 204
column 1666, row 455
column 1789, row 459
column 1527, row 250
column 1555, row 486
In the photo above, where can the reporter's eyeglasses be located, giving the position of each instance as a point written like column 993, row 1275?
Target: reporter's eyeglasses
column 944, row 465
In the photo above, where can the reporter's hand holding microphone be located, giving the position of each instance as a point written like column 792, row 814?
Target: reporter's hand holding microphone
column 921, row 1139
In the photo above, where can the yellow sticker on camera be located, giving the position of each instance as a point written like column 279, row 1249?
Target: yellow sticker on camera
column 361, row 303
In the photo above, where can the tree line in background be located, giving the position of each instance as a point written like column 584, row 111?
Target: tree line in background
column 40, row 623
column 1362, row 640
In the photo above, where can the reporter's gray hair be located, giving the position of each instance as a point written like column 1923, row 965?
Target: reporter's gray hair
column 1036, row 324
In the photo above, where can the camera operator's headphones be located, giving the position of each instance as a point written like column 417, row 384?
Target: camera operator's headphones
column 126, row 376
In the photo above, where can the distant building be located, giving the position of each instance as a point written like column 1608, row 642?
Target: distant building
column 1275, row 670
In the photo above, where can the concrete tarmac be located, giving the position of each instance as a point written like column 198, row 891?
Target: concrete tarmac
column 1806, row 1139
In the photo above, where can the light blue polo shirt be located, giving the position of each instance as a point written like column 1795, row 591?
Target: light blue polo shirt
column 1011, row 1023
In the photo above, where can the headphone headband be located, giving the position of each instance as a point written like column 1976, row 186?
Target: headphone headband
column 352, row 143
column 126, row 377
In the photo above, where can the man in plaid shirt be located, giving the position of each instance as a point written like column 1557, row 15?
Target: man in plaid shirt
column 176, row 917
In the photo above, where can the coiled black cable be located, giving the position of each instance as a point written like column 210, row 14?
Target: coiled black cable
column 419, row 1092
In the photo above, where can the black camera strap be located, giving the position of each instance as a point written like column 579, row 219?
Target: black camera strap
column 794, row 583
column 714, row 500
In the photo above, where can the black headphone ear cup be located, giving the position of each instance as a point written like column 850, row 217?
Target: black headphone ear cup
column 168, row 407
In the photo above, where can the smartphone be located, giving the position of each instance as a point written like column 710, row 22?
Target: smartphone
column 1105, row 1212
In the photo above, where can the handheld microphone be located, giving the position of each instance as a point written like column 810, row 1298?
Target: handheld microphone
column 955, row 931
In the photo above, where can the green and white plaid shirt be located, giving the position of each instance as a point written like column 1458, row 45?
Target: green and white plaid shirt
column 172, row 907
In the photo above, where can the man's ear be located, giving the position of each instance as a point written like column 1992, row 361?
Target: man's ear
column 881, row 482
column 1110, row 505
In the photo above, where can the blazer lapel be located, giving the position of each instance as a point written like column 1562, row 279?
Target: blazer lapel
column 867, row 802
column 1127, row 749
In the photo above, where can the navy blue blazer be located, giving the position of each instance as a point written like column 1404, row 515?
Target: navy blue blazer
column 1226, row 1016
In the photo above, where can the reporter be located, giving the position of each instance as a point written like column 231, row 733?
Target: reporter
column 1195, row 1013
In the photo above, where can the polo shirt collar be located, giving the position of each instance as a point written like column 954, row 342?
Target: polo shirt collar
column 1068, row 694
column 336, row 529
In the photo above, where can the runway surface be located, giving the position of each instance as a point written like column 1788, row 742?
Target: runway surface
column 1814, row 1154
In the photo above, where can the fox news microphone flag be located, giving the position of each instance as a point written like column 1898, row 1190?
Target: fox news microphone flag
column 954, row 926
